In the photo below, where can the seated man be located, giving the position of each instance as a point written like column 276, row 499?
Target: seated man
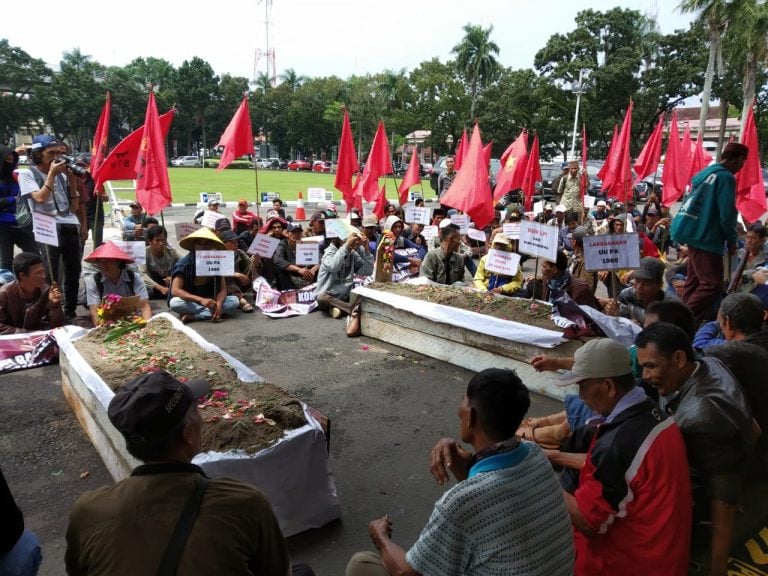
column 740, row 318
column 506, row 515
column 160, row 260
column 647, row 287
column 242, row 217
column 233, row 529
column 445, row 265
column 630, row 505
column 556, row 280
column 19, row 548
column 195, row 297
column 28, row 304
column 290, row 274
column 245, row 239
column 134, row 225
column 113, row 278
column 240, row 283
column 275, row 227
column 497, row 283
column 577, row 266
column 714, row 416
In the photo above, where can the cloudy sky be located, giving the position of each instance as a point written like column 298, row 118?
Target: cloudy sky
column 314, row 37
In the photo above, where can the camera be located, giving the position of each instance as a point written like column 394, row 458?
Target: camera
column 76, row 170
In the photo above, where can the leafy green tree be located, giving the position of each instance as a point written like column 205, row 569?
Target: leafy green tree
column 23, row 77
column 476, row 60
column 197, row 89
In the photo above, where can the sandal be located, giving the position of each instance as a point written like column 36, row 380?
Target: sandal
column 529, row 434
column 247, row 307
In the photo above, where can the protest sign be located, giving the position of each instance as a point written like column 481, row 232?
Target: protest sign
column 538, row 239
column 264, row 245
column 135, row 249
column 184, row 229
column 318, row 239
column 316, row 195
column 475, row 234
column 504, row 263
column 429, row 232
column 307, row 253
column 210, row 218
column 589, row 201
column 511, row 229
column 338, row 228
column 612, row 252
column 44, row 228
column 538, row 207
column 417, row 214
column 206, row 197
column 462, row 221
column 215, row 263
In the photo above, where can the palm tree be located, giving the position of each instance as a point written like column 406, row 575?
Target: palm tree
column 290, row 78
column 476, row 59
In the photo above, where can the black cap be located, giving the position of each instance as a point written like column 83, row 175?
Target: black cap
column 151, row 407
column 227, row 235
column 222, row 224
column 650, row 269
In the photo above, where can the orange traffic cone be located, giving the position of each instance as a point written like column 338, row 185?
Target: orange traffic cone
column 300, row 214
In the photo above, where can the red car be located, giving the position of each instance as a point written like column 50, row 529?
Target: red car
column 299, row 165
column 321, row 166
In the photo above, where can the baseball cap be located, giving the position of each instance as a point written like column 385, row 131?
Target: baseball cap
column 599, row 358
column 134, row 205
column 501, row 239
column 578, row 233
column 148, row 409
column 560, row 208
column 294, row 226
column 370, row 221
column 227, row 235
column 549, row 206
column 652, row 211
column 601, row 203
column 222, row 224
column 650, row 269
column 43, row 141
column 213, row 202
column 242, row 202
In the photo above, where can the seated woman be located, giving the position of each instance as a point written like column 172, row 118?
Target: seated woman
column 556, row 279
column 240, row 283
column 497, row 283
column 161, row 259
column 113, row 278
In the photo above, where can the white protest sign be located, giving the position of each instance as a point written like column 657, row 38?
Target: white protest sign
column 612, row 252
column 135, row 249
column 215, row 263
column 206, row 197
column 307, row 254
column 264, row 245
column 475, row 234
column 417, row 214
column 414, row 195
column 318, row 239
column 338, row 228
column 462, row 221
column 511, row 229
column 429, row 233
column 538, row 207
column 538, row 239
column 316, row 195
column 589, row 201
column 44, row 228
column 184, row 229
column 210, row 217
column 504, row 263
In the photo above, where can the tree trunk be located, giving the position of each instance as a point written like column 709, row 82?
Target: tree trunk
column 749, row 90
column 714, row 41
column 724, row 104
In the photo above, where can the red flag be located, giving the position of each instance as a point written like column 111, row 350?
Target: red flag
column 648, row 160
column 411, row 178
column 347, row 163
column 584, row 174
column 379, row 164
column 701, row 158
column 119, row 164
column 673, row 188
column 153, row 191
column 238, row 137
column 512, row 170
column 471, row 190
column 617, row 180
column 487, row 149
column 461, row 150
column 532, row 174
column 381, row 202
column 687, row 148
column 101, row 138
column 750, row 191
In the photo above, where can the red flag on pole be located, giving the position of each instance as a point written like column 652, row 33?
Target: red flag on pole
column 238, row 137
column 411, row 178
column 617, row 182
column 512, row 170
column 461, row 150
column 471, row 190
column 379, row 164
column 381, row 202
column 611, row 147
column 685, row 160
column 750, row 191
column 101, row 138
column 153, row 191
column 584, row 184
column 487, row 149
column 120, row 163
column 701, row 158
column 673, row 188
column 648, row 160
column 347, row 163
column 532, row 174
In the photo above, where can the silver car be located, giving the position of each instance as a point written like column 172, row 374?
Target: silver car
column 186, row 161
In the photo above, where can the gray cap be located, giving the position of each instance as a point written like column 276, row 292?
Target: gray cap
column 578, row 233
column 599, row 358
column 650, row 269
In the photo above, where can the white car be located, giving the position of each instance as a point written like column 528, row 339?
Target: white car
column 186, row 161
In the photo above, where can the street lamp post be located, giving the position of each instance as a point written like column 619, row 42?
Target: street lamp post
column 578, row 88
column 449, row 142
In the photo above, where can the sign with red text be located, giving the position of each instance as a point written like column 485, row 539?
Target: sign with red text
column 307, row 253
column 215, row 263
column 539, row 240
column 612, row 252
column 44, row 228
column 184, row 229
column 504, row 263
column 462, row 221
column 264, row 245
column 210, row 217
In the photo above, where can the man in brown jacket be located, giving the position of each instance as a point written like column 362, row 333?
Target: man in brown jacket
column 28, row 303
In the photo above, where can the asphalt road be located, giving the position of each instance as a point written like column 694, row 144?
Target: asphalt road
column 388, row 406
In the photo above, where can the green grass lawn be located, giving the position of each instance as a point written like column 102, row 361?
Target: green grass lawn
column 187, row 183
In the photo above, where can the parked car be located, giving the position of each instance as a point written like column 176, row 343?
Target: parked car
column 322, row 166
column 265, row 163
column 282, row 165
column 186, row 161
column 297, row 165
column 642, row 188
column 544, row 187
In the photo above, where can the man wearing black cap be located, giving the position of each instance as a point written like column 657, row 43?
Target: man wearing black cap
column 290, row 274
column 705, row 223
column 647, row 287
column 128, row 528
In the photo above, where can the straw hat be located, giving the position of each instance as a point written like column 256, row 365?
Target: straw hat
column 188, row 242
column 108, row 251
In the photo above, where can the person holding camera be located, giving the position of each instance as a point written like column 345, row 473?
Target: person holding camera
column 49, row 190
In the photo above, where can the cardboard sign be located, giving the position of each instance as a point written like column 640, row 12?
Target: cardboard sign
column 417, row 215
column 429, row 233
column 538, row 207
column 475, row 234
column 511, row 229
column 210, row 217
column 338, row 228
column 589, row 201
column 215, row 263
column 206, row 197
column 504, row 263
column 44, row 228
column 184, row 229
column 462, row 221
column 316, row 195
column 307, row 254
column 264, row 245
column 612, row 252
column 539, row 240
column 135, row 249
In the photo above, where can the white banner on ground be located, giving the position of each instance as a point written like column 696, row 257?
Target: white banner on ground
column 136, row 249
column 215, row 263
column 511, row 229
column 44, row 228
column 429, row 232
column 307, row 253
column 316, row 195
column 210, row 217
column 462, row 221
column 417, row 214
column 500, row 262
column 612, row 252
column 538, row 239
column 184, row 229
column 264, row 245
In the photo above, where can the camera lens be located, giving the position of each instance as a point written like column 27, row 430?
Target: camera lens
column 76, row 170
